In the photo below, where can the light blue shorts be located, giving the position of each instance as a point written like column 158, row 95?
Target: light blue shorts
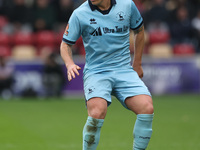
column 122, row 84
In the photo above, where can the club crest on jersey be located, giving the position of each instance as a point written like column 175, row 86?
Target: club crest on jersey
column 93, row 21
column 66, row 30
column 120, row 16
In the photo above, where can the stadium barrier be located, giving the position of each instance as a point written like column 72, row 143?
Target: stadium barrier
column 162, row 76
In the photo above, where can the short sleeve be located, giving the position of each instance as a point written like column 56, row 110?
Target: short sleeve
column 136, row 18
column 73, row 30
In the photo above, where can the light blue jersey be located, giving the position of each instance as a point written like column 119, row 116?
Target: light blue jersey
column 105, row 34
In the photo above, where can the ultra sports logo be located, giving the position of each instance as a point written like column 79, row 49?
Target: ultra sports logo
column 120, row 16
column 98, row 31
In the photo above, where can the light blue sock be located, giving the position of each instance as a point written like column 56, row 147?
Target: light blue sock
column 142, row 131
column 91, row 133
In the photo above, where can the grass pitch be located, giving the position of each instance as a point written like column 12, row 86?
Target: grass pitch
column 56, row 124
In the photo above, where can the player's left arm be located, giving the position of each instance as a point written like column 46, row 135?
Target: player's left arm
column 138, row 50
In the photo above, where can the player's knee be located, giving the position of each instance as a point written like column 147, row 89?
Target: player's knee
column 149, row 108
column 97, row 113
column 97, row 108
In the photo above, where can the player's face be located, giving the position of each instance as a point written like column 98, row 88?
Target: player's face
column 98, row 2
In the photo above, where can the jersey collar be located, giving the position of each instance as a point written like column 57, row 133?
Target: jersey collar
column 93, row 7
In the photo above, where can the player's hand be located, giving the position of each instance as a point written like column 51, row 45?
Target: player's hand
column 139, row 70
column 72, row 71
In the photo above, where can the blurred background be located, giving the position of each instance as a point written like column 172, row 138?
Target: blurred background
column 31, row 32
column 40, row 110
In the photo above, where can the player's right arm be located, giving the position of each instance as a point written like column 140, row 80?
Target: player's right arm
column 66, row 54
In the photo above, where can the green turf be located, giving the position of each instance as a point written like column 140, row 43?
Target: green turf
column 57, row 124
